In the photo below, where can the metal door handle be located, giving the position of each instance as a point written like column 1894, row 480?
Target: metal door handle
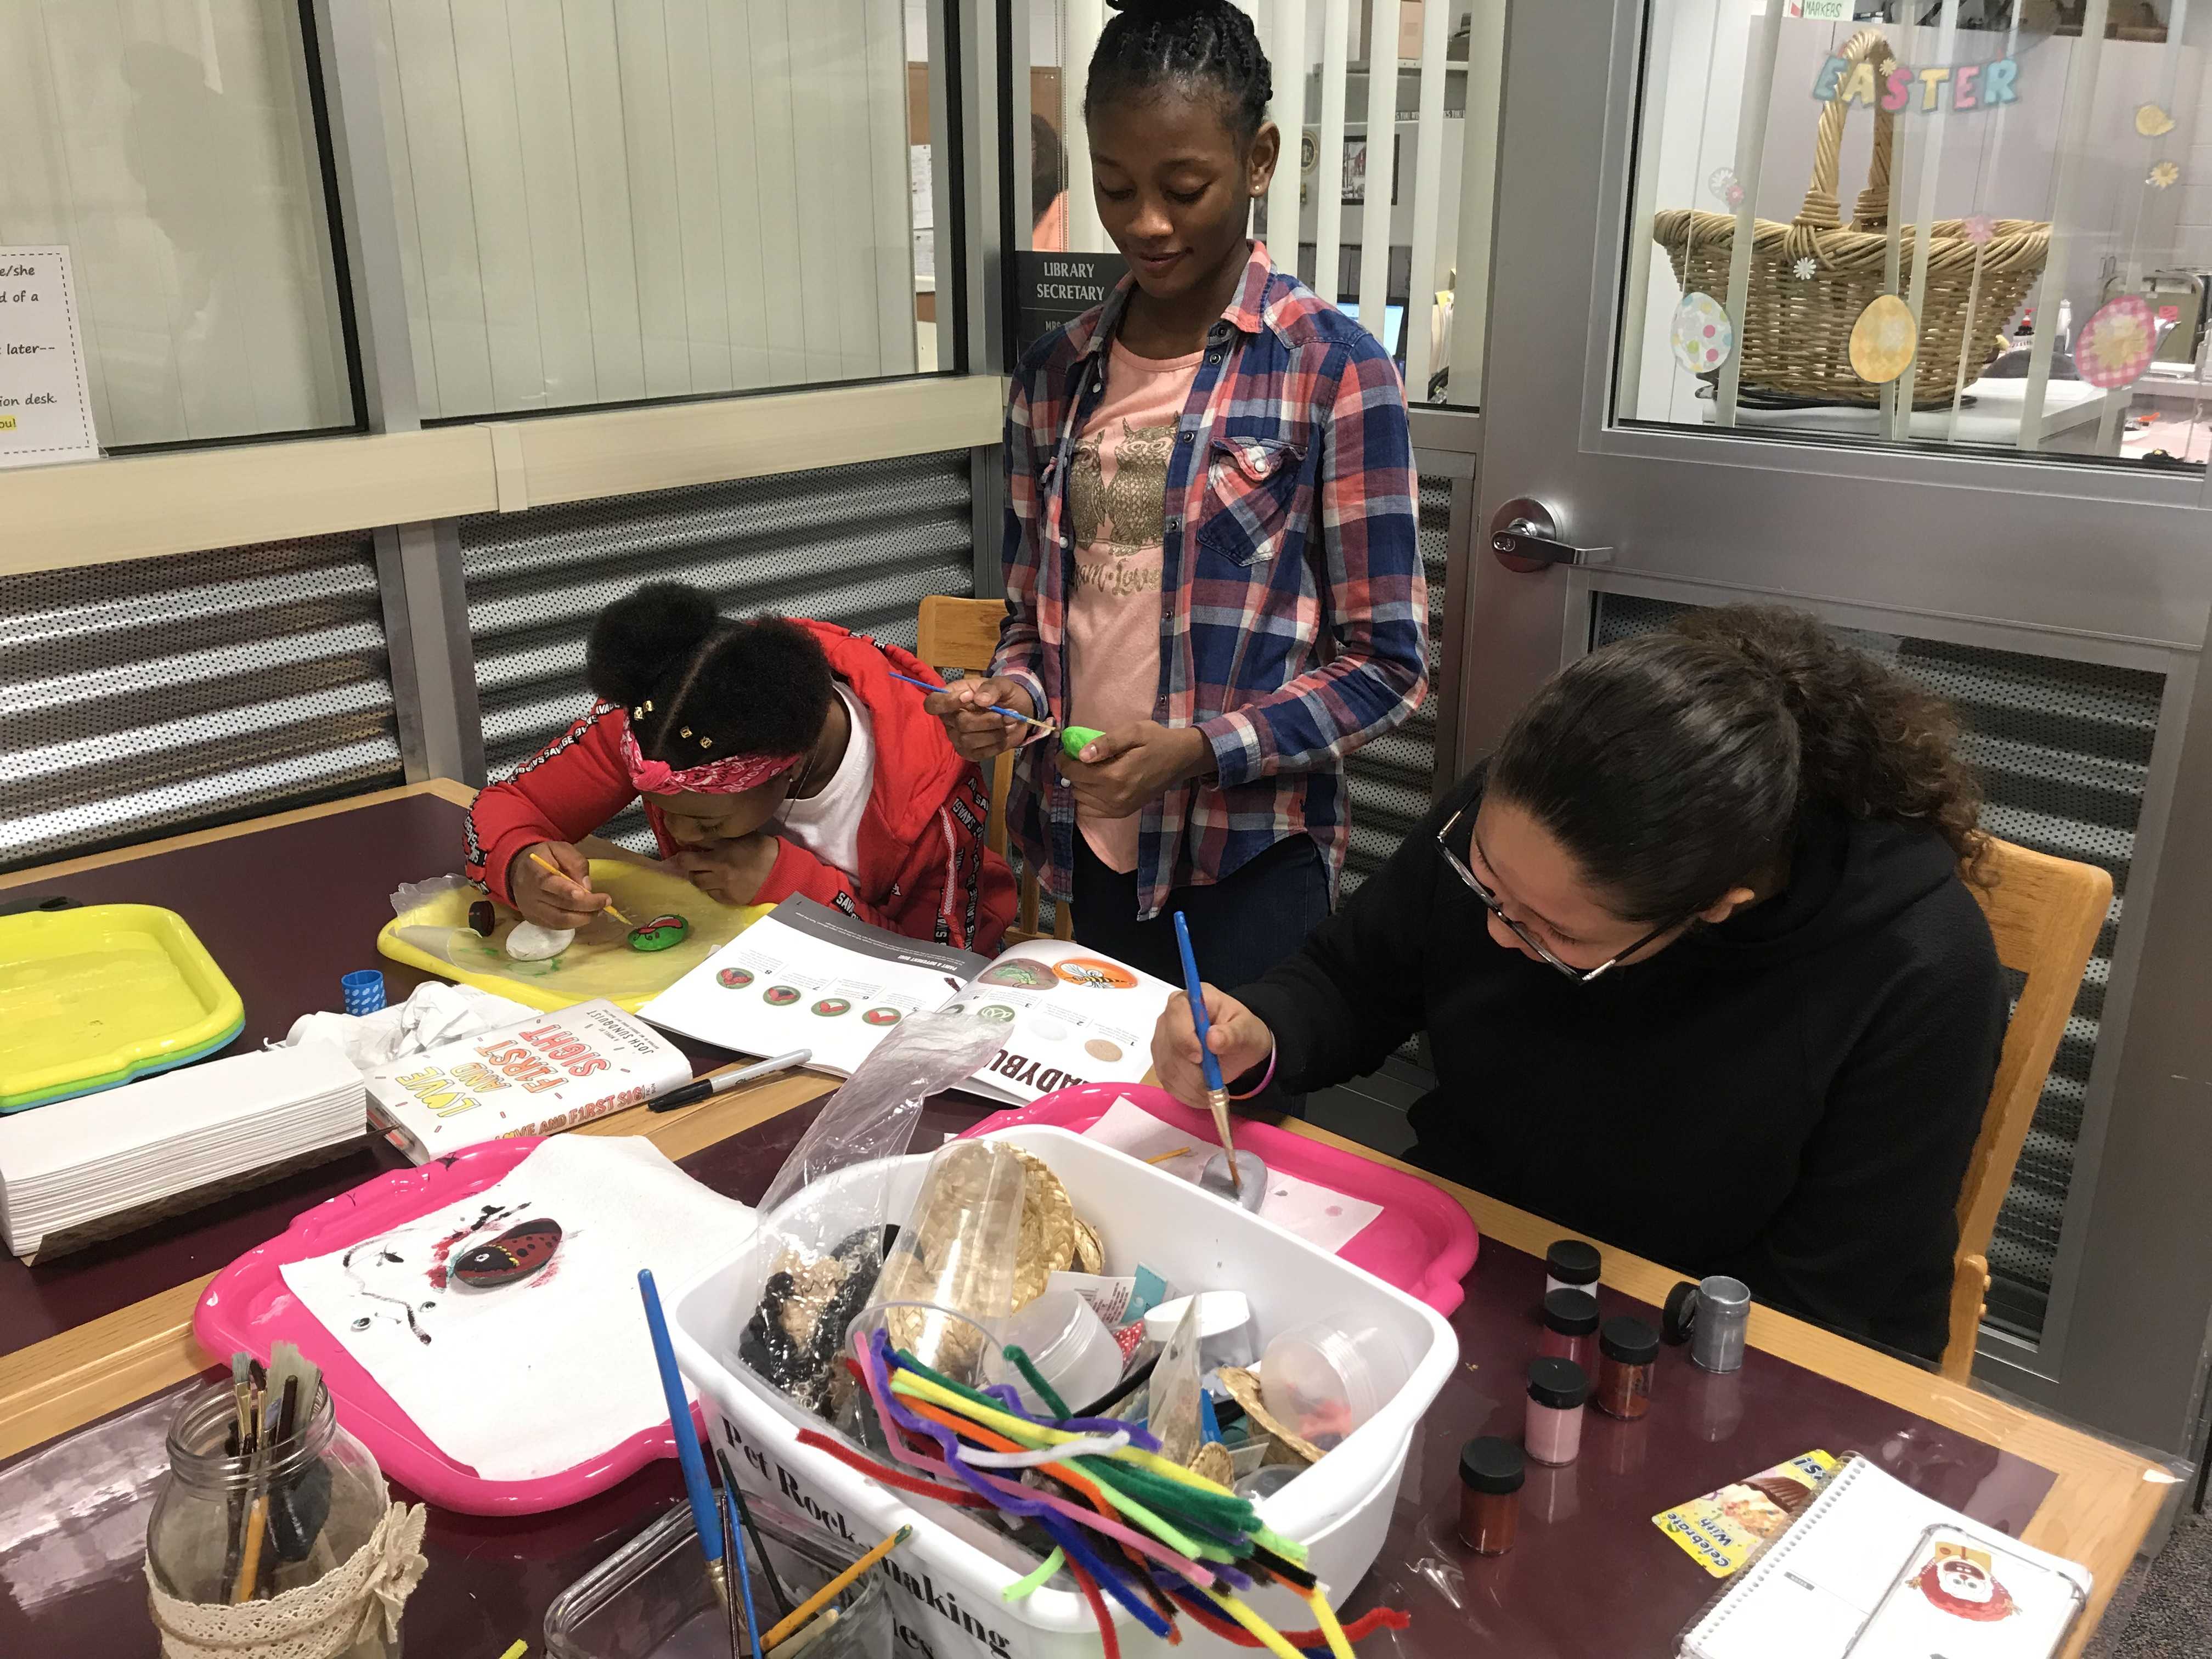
column 1526, row 537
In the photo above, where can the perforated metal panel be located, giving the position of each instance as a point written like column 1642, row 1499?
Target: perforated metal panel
column 152, row 696
column 2063, row 749
column 858, row 545
column 1393, row 780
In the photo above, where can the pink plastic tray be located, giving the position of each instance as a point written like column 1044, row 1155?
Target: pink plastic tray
column 1424, row 1243
column 248, row 1307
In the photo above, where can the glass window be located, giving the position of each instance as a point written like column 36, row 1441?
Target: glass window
column 172, row 150
column 599, row 203
column 1976, row 224
column 1433, row 186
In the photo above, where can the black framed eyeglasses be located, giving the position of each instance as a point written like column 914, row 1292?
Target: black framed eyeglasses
column 1496, row 907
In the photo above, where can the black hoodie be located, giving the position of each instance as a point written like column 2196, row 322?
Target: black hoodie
column 1791, row 1096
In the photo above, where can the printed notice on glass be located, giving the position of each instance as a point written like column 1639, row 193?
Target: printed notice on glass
column 46, row 412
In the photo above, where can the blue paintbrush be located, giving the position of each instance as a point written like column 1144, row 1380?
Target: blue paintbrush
column 909, row 679
column 1216, row 1092
column 705, row 1515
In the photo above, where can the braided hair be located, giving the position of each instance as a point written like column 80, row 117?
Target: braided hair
column 1150, row 45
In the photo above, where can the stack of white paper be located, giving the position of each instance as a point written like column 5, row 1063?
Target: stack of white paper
column 137, row 1151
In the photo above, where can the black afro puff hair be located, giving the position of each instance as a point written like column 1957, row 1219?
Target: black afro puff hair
column 761, row 687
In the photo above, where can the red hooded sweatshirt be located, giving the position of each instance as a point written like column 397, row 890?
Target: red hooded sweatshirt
column 924, row 870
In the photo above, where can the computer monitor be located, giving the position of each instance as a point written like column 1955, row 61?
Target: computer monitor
column 1394, row 324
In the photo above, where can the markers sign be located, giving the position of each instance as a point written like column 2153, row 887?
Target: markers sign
column 46, row 412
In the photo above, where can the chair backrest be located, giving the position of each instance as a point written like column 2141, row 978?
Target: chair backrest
column 2045, row 914
column 963, row 633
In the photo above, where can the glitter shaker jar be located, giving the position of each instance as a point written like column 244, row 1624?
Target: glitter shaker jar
column 1490, row 1472
column 1570, row 1327
column 1556, row 1391
column 1628, row 1350
column 1571, row 1265
column 1714, row 1316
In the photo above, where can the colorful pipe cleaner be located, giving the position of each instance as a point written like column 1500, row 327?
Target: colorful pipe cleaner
column 1126, row 1525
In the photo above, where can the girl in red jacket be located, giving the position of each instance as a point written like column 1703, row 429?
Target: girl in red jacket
column 775, row 756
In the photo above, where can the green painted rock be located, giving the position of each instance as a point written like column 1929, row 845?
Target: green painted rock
column 660, row 933
column 1072, row 737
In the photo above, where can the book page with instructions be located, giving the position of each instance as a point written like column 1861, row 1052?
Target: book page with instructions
column 1875, row 1570
column 807, row 976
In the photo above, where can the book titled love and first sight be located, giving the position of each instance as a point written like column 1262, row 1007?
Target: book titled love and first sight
column 546, row 1072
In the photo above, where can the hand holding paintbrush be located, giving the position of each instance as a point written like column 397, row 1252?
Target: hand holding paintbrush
column 1217, row 1092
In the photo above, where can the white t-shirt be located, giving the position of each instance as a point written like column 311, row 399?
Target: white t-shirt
column 828, row 824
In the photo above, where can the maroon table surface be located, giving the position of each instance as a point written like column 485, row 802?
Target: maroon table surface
column 286, row 911
column 1590, row 1576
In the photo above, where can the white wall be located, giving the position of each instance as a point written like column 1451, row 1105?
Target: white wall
column 167, row 144
column 610, row 199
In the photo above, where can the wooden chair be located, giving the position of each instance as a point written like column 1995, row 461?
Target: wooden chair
column 2045, row 914
column 963, row 633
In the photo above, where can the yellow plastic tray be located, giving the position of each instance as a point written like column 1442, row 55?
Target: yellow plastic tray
column 102, row 994
column 436, row 938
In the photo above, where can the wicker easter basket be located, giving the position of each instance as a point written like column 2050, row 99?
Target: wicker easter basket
column 1795, row 336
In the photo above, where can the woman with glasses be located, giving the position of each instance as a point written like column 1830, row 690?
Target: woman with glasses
column 1698, row 967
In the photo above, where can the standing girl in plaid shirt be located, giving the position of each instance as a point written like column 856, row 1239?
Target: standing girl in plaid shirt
column 1210, row 548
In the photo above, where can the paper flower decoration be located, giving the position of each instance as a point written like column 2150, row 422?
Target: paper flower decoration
column 1806, row 268
column 2163, row 175
column 1733, row 195
column 2152, row 122
column 1980, row 228
column 1724, row 185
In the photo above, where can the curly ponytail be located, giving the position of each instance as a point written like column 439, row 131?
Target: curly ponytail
column 1674, row 766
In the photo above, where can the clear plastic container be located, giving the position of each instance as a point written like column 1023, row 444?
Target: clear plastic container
column 652, row 1599
column 947, row 1287
column 1324, row 1380
column 1068, row 1344
column 1226, row 1335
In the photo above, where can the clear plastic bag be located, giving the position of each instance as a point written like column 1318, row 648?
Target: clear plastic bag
column 823, row 1220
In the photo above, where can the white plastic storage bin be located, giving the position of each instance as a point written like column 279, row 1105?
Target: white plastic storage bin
column 950, row 1574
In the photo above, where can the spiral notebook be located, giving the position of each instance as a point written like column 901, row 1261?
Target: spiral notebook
column 1873, row 1569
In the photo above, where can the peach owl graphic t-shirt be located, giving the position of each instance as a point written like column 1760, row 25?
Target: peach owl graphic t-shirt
column 1117, row 493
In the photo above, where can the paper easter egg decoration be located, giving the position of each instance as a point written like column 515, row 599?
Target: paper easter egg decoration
column 2152, row 121
column 1884, row 340
column 2115, row 345
column 1702, row 337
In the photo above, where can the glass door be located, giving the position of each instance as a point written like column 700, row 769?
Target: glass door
column 1896, row 310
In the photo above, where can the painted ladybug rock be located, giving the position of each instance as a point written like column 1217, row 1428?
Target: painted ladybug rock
column 521, row 1251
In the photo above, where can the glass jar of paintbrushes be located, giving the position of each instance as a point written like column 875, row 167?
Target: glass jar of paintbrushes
column 275, row 1526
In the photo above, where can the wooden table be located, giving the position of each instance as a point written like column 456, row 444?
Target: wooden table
column 2099, row 1503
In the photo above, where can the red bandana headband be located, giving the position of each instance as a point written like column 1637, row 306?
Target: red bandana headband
column 733, row 776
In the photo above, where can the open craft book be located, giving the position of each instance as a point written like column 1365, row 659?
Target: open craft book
column 807, row 976
column 1874, row 1571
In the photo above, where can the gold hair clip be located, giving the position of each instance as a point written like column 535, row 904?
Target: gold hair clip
column 637, row 714
column 648, row 705
column 706, row 743
column 685, row 733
